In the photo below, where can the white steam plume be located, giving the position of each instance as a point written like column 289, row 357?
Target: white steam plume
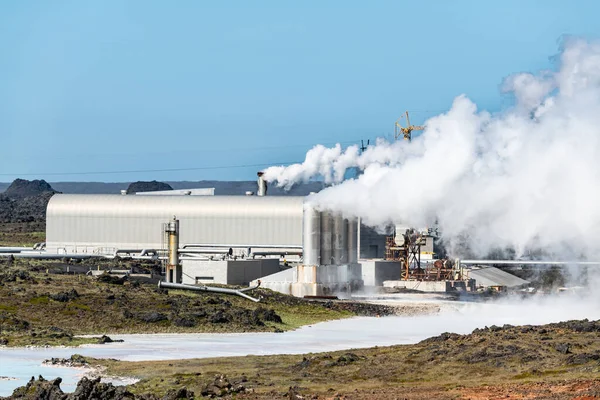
column 525, row 178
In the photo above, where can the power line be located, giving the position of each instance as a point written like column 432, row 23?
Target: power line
column 197, row 151
column 151, row 170
column 169, row 169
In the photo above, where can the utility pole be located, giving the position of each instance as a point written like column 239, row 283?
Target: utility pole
column 362, row 145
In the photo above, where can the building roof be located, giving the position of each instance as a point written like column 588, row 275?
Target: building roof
column 491, row 276
column 136, row 222
column 115, row 205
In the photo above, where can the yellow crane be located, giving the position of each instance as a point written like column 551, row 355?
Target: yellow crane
column 406, row 132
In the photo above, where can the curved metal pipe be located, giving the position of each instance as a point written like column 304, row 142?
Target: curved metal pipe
column 240, row 292
column 235, row 246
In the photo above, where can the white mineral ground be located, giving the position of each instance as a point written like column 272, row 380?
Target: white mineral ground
column 421, row 320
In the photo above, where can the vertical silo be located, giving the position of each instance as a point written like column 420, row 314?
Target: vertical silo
column 340, row 239
column 352, row 240
column 311, row 235
column 326, row 238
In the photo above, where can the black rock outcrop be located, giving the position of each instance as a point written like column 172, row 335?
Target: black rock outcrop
column 25, row 201
column 152, row 186
column 21, row 188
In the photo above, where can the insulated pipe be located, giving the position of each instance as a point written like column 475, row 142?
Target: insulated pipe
column 277, row 253
column 352, row 240
column 245, row 246
column 15, row 249
column 326, row 238
column 236, row 292
column 199, row 251
column 529, row 262
column 340, row 239
column 53, row 256
column 311, row 236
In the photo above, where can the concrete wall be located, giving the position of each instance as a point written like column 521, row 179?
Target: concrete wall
column 433, row 286
column 372, row 244
column 320, row 280
column 375, row 272
column 239, row 272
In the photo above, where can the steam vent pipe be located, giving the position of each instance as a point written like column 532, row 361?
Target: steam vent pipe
column 326, row 238
column 173, row 269
column 352, row 240
column 262, row 185
column 311, row 240
column 340, row 239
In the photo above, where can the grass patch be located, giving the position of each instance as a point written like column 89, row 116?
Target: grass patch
column 39, row 300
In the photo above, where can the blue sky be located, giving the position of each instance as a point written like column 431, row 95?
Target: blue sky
column 108, row 86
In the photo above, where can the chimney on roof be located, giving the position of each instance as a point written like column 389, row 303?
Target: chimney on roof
column 262, row 185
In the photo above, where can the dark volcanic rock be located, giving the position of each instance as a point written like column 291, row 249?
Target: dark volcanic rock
column 175, row 394
column 21, row 188
column 152, row 317
column 347, row 358
column 221, row 386
column 28, row 209
column 87, row 389
column 140, row 186
column 112, row 279
column 40, row 389
column 64, row 297
column 584, row 358
column 94, row 389
column 267, row 314
column 76, row 360
column 107, row 339
column 25, row 201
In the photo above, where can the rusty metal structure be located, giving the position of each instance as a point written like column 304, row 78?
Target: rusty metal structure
column 407, row 250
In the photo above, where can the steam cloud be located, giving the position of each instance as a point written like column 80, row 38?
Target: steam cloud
column 527, row 178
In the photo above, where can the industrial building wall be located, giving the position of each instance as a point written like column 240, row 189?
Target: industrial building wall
column 372, row 244
column 228, row 272
column 99, row 223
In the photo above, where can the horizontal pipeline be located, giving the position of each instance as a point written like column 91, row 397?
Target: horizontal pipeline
column 245, row 246
column 52, row 256
column 529, row 262
column 237, row 292
column 15, row 249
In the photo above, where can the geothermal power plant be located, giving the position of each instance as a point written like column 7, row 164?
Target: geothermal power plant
column 279, row 242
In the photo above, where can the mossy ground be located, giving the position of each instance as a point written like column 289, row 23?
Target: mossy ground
column 22, row 234
column 517, row 360
column 36, row 308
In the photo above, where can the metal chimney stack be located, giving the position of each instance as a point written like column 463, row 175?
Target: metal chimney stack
column 174, row 274
column 262, row 185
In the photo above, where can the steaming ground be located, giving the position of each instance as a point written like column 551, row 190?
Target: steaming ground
column 526, row 178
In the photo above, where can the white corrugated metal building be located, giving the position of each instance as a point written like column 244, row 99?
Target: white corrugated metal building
column 102, row 224
column 106, row 224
